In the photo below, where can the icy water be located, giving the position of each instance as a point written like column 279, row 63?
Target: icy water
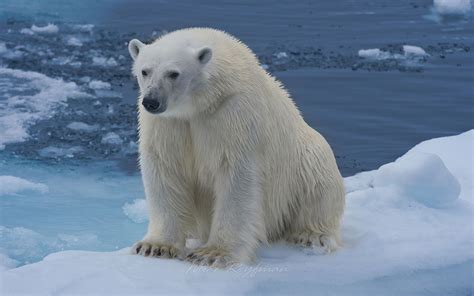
column 67, row 99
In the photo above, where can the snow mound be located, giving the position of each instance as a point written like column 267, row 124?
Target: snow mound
column 12, row 185
column 422, row 177
column 452, row 7
column 407, row 230
column 136, row 211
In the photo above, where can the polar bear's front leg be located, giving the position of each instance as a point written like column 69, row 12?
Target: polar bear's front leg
column 237, row 224
column 166, row 198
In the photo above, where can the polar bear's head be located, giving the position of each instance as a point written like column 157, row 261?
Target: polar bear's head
column 169, row 73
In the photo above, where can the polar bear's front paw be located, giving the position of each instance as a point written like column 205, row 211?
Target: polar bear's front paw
column 211, row 256
column 326, row 243
column 149, row 249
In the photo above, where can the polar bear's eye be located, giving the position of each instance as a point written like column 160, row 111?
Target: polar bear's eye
column 144, row 73
column 173, row 75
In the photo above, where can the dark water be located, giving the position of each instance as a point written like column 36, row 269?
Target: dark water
column 370, row 111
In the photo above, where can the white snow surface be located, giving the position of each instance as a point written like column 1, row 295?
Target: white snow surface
column 452, row 7
column 407, row 230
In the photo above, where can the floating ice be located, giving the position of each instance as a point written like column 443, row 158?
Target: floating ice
column 81, row 126
column 31, row 245
column 74, row 41
column 57, row 152
column 281, row 55
column 3, row 48
column 452, row 7
column 112, row 139
column 97, row 84
column 136, row 211
column 10, row 185
column 374, row 54
column 26, row 97
column 395, row 242
column 410, row 50
column 48, row 29
column 27, row 31
column 87, row 28
column 104, row 62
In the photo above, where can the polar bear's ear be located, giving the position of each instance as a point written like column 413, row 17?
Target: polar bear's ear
column 134, row 47
column 204, row 55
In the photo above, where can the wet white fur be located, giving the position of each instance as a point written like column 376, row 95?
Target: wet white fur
column 231, row 162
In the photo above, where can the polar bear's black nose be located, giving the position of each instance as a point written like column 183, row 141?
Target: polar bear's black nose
column 151, row 105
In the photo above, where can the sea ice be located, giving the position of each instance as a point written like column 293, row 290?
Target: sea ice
column 410, row 50
column 452, row 7
column 112, row 139
column 74, row 41
column 104, row 62
column 406, row 230
column 81, row 126
column 374, row 54
column 18, row 108
column 10, row 185
column 97, row 84
column 136, row 211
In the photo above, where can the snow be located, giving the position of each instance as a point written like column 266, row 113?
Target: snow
column 452, row 7
column 136, row 211
column 397, row 241
column 10, row 185
column 26, row 97
column 112, row 139
column 97, row 84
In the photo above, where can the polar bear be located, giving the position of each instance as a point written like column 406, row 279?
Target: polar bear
column 225, row 155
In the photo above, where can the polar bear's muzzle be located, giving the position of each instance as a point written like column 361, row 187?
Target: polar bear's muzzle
column 153, row 105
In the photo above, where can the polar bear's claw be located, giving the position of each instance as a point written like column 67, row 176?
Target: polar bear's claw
column 210, row 256
column 155, row 250
column 327, row 243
